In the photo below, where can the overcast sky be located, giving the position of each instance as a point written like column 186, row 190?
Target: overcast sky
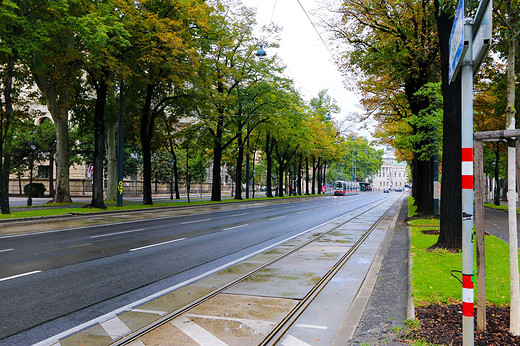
column 308, row 61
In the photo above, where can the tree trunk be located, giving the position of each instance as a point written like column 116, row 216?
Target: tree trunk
column 496, row 199
column 6, row 148
column 306, row 175
column 280, row 178
column 269, row 158
column 313, row 191
column 216, row 190
column 175, row 174
column 99, row 145
column 299, row 186
column 424, row 199
column 450, row 235
column 240, row 162
column 111, row 193
column 146, row 142
column 58, row 102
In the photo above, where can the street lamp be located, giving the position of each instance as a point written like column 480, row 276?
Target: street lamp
column 32, row 143
column 261, row 53
column 120, row 148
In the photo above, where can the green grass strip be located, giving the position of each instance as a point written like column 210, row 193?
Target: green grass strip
column 68, row 208
column 431, row 279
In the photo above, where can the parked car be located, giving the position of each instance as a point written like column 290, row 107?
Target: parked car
column 385, row 191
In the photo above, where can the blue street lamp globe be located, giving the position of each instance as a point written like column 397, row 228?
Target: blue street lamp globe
column 261, row 52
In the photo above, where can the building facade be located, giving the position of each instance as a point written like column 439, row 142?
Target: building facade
column 393, row 174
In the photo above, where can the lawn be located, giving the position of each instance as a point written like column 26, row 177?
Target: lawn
column 431, row 279
column 72, row 208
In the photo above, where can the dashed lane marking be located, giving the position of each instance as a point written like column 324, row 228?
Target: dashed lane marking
column 235, row 227
column 194, row 221
column 158, row 244
column 117, row 233
column 6, row 250
column 20, row 275
column 240, row 214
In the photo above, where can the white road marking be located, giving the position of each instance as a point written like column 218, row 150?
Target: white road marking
column 278, row 217
column 6, row 250
column 117, row 233
column 149, row 246
column 198, row 334
column 260, row 326
column 54, row 339
column 155, row 312
column 292, row 341
column 240, row 226
column 115, row 328
column 240, row 214
column 312, row 326
column 195, row 221
column 20, row 275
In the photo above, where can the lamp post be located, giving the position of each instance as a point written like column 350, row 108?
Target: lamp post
column 32, row 143
column 120, row 149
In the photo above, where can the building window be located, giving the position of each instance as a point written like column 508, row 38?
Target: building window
column 44, row 172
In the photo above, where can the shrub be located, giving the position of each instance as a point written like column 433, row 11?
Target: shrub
column 38, row 189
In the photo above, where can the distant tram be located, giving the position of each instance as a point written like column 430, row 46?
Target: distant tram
column 345, row 188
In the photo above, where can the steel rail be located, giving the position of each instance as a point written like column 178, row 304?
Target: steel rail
column 135, row 335
column 279, row 331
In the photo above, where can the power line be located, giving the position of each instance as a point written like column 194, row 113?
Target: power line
column 315, row 29
column 272, row 13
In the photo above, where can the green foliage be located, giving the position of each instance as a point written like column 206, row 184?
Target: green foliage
column 38, row 189
column 428, row 123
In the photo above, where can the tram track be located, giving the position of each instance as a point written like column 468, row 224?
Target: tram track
column 277, row 333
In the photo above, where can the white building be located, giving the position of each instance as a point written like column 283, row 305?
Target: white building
column 393, row 174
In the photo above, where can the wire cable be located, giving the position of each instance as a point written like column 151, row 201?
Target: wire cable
column 316, row 29
column 272, row 13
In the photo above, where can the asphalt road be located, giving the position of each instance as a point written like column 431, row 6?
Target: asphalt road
column 53, row 281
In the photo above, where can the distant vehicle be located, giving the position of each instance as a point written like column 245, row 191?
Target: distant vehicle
column 386, row 191
column 365, row 186
column 345, row 188
column 398, row 190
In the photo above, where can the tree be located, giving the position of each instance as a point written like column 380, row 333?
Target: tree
column 394, row 41
column 163, row 55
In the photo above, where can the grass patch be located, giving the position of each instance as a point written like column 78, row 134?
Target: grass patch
column 411, row 207
column 55, row 209
column 500, row 207
column 431, row 279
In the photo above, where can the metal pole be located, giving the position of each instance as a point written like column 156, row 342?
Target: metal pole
column 467, row 188
column 29, row 199
column 247, row 168
column 120, row 149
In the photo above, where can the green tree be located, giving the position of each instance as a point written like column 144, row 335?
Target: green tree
column 163, row 58
column 394, row 46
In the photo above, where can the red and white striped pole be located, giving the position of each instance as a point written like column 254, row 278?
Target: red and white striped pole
column 468, row 333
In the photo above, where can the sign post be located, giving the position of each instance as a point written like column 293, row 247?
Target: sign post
column 469, row 42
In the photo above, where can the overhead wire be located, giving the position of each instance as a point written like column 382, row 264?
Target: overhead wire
column 272, row 13
column 316, row 29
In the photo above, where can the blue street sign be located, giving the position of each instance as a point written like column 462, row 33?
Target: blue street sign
column 456, row 42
